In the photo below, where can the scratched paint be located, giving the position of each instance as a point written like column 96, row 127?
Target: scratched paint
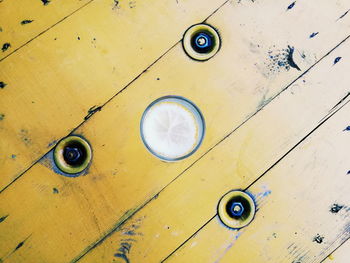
column 259, row 197
column 128, row 239
column 230, row 243
column 291, row 5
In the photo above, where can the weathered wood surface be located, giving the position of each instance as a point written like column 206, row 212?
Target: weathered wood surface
column 77, row 66
column 189, row 202
column 46, row 217
column 72, row 78
column 303, row 211
column 340, row 255
column 22, row 21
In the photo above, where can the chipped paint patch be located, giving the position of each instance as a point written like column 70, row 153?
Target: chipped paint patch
column 92, row 111
column 291, row 6
column 26, row 21
column 313, row 34
column 281, row 60
column 24, row 134
column 318, row 239
column 116, row 5
column 2, row 219
column 45, row 2
column 2, row 85
column 336, row 60
column 2, row 116
column 336, row 208
column 20, row 244
column 5, row 47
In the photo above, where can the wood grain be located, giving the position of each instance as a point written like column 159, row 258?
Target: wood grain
column 341, row 255
column 190, row 201
column 57, row 81
column 49, row 225
column 296, row 220
column 23, row 21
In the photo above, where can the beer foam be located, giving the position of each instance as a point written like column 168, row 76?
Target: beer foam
column 172, row 129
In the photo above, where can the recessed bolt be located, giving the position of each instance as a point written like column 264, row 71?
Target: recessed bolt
column 203, row 40
column 237, row 209
column 72, row 155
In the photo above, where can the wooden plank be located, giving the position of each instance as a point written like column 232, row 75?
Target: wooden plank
column 53, row 82
column 296, row 220
column 22, row 21
column 88, row 207
column 190, row 201
column 87, row 72
column 341, row 255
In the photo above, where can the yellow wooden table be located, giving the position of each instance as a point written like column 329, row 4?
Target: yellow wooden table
column 275, row 100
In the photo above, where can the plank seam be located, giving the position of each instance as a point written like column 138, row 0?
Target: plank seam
column 101, row 106
column 264, row 173
column 47, row 29
column 338, row 247
column 325, row 119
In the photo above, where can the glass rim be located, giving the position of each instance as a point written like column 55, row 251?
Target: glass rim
column 197, row 112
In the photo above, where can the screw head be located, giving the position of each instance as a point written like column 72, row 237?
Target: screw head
column 237, row 209
column 203, row 40
column 72, row 155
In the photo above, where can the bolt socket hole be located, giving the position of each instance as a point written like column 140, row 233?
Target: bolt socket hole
column 238, row 208
column 72, row 154
column 201, row 42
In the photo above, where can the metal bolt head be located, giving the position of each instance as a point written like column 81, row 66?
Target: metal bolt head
column 203, row 40
column 72, row 155
column 237, row 209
